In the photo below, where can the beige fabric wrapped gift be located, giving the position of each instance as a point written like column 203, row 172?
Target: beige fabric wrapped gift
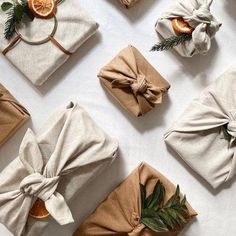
column 39, row 62
column 205, row 135
column 198, row 15
column 54, row 166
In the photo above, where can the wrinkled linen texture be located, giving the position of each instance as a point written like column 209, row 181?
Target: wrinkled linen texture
column 12, row 115
column 55, row 166
column 133, row 81
column 120, row 213
column 198, row 15
column 205, row 135
column 39, row 62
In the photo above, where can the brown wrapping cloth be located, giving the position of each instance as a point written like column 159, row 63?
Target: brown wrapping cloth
column 128, row 3
column 12, row 115
column 119, row 214
column 136, row 85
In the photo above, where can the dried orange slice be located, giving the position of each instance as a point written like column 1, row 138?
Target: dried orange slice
column 42, row 8
column 181, row 26
column 39, row 210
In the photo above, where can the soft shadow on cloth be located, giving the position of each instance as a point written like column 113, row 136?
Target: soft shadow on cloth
column 94, row 193
column 154, row 118
column 193, row 173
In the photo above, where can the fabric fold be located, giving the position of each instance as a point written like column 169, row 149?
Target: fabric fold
column 205, row 134
column 12, row 115
column 120, row 213
column 136, row 85
column 198, row 15
column 48, row 167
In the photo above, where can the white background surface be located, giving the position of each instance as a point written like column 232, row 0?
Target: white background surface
column 141, row 139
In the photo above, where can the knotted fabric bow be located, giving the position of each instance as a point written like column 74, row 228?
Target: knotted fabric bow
column 205, row 134
column 145, row 92
column 68, row 152
column 197, row 13
column 133, row 81
column 42, row 182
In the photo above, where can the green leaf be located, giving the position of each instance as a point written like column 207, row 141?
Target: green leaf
column 171, row 42
column 19, row 10
column 6, row 6
column 160, row 216
column 155, row 224
column 156, row 199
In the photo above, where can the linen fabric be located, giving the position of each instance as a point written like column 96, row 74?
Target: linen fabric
column 198, row 15
column 12, row 115
column 120, row 213
column 135, row 84
column 204, row 136
column 129, row 3
column 39, row 62
column 54, row 166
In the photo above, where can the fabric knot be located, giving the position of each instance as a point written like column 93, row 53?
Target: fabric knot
column 37, row 185
column 139, row 86
column 231, row 128
column 202, row 15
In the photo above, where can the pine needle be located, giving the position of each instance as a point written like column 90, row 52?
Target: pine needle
column 171, row 42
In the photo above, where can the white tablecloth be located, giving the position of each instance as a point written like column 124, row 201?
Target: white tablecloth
column 141, row 139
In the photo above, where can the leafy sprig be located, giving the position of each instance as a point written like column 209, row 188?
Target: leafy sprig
column 15, row 11
column 171, row 42
column 161, row 216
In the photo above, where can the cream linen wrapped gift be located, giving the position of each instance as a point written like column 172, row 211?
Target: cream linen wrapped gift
column 205, row 135
column 198, row 15
column 39, row 62
column 53, row 166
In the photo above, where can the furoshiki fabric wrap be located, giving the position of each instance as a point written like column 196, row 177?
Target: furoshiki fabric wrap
column 39, row 62
column 135, row 83
column 53, row 165
column 198, row 15
column 205, row 134
column 129, row 3
column 120, row 213
column 12, row 115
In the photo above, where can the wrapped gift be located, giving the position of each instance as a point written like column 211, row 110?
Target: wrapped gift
column 12, row 115
column 126, row 211
column 128, row 3
column 41, row 47
column 52, row 168
column 197, row 14
column 135, row 84
column 205, row 134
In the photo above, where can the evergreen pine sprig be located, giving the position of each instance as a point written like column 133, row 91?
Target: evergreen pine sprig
column 171, row 42
column 161, row 216
column 15, row 11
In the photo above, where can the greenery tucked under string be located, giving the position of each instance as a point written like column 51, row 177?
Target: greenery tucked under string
column 15, row 11
column 161, row 216
column 171, row 42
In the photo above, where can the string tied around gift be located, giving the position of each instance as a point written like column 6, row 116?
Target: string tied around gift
column 50, row 38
